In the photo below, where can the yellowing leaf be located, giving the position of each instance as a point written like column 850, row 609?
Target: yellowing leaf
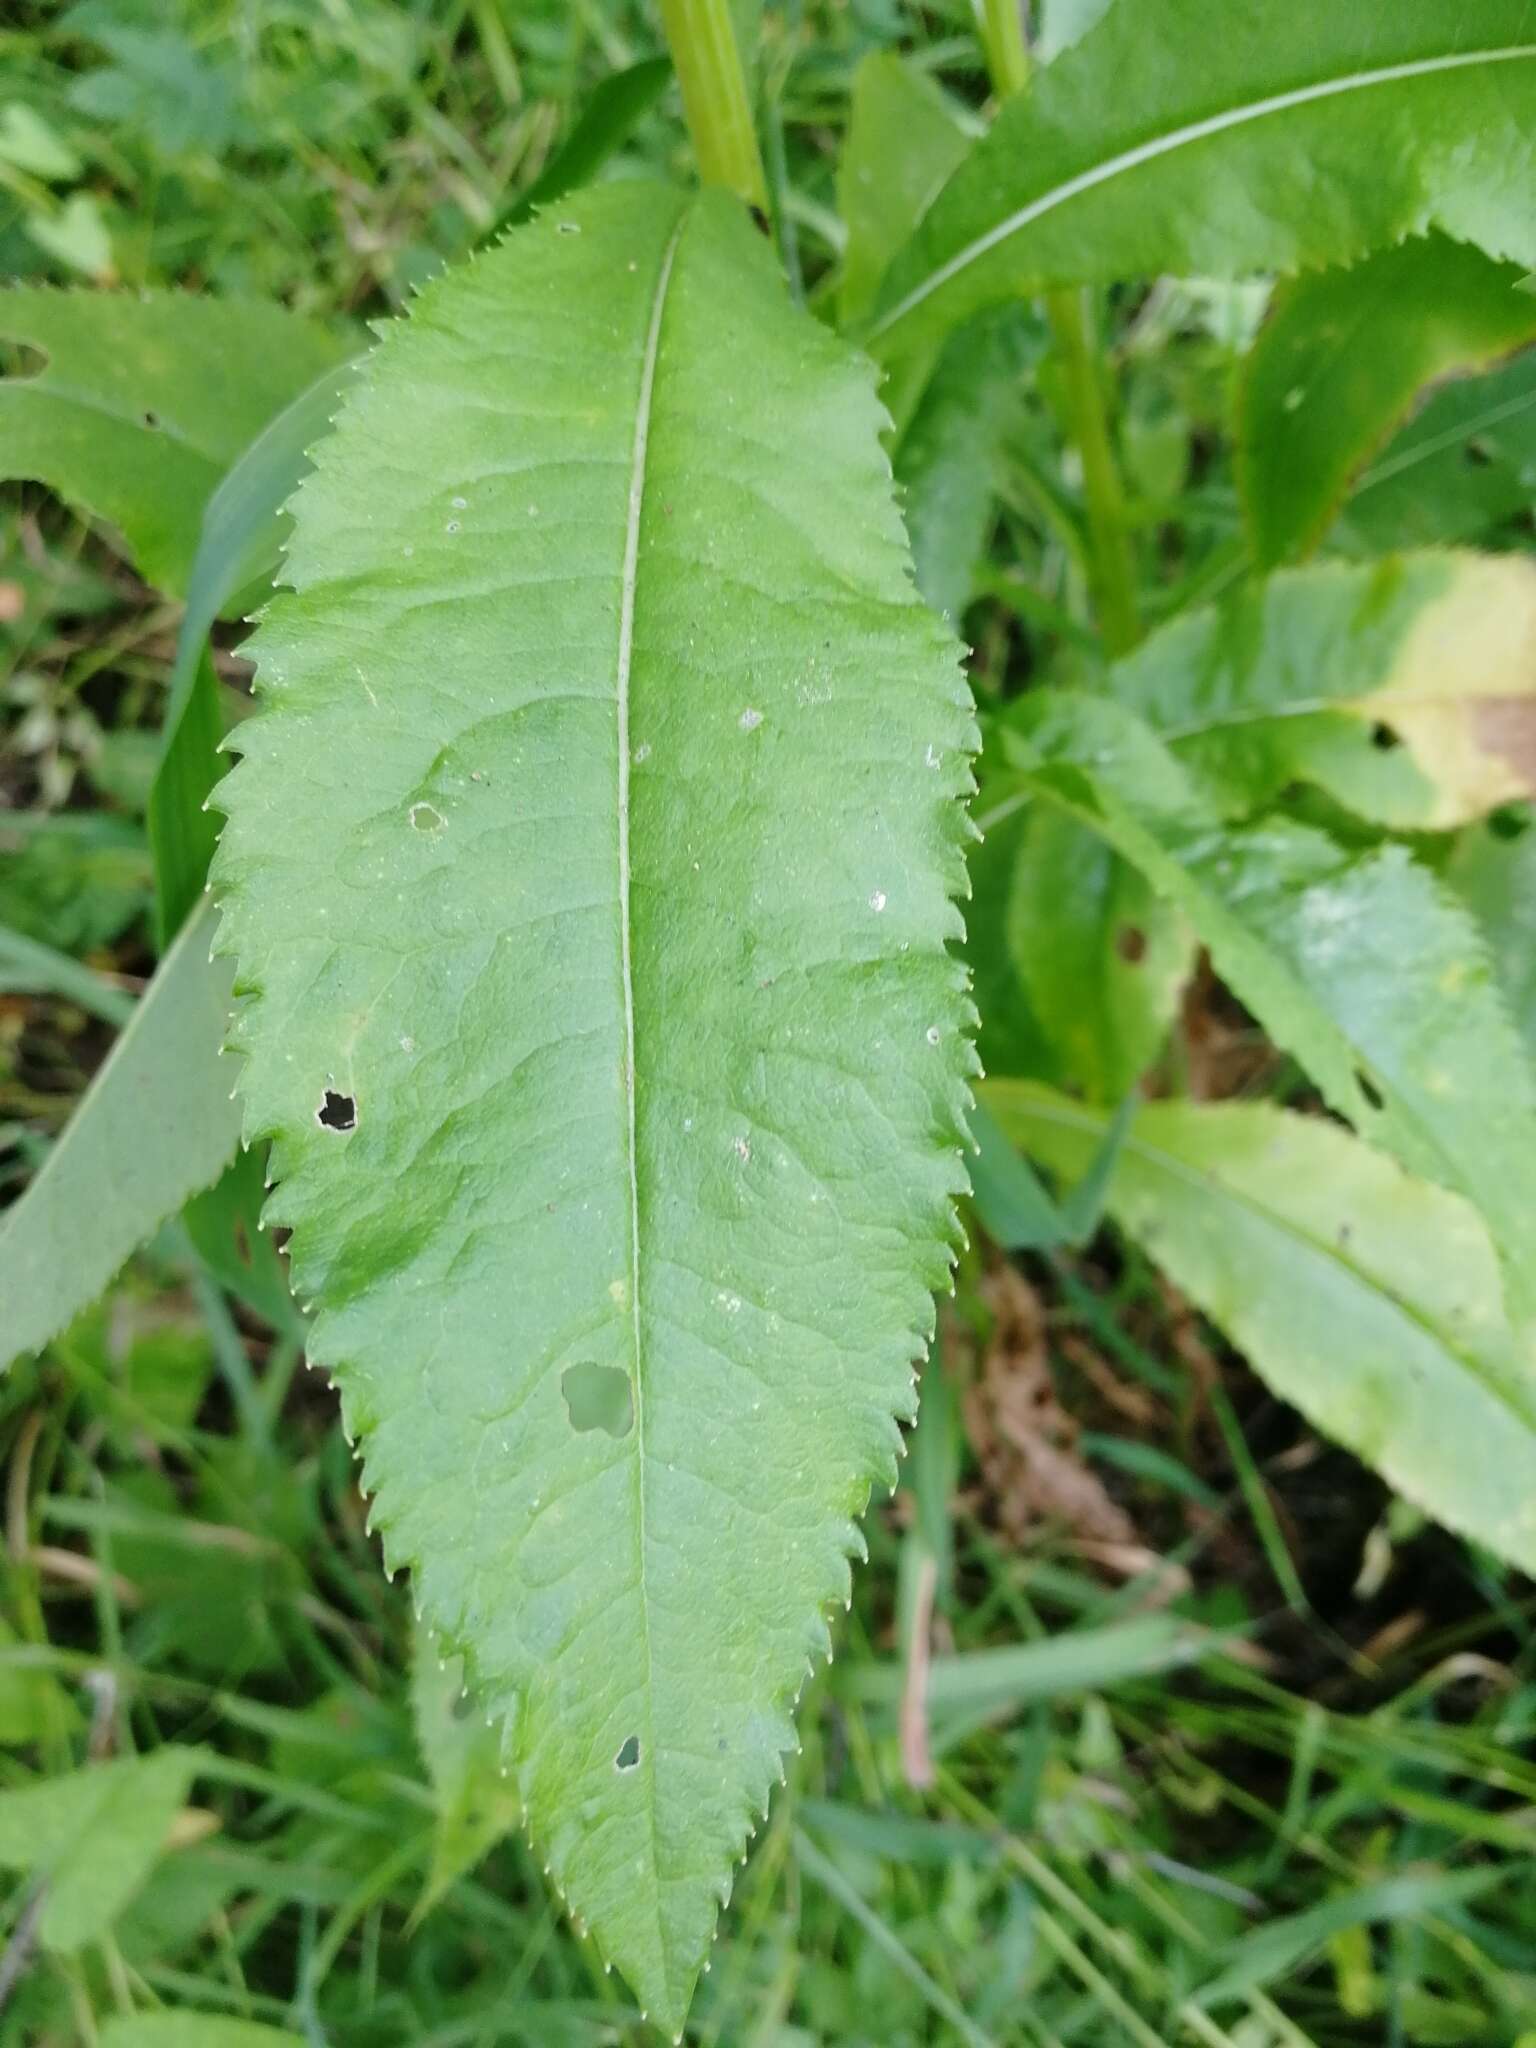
column 1406, row 688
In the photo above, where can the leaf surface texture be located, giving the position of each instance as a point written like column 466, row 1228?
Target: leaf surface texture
column 591, row 870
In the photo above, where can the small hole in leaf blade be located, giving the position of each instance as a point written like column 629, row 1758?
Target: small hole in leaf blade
column 629, row 1754
column 598, row 1397
column 336, row 1112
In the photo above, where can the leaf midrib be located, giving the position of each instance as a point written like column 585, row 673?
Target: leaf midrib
column 639, row 452
column 1180, row 138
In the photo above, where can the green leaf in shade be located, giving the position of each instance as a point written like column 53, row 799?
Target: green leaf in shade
column 155, row 1125
column 1096, row 955
column 192, row 2030
column 602, row 821
column 240, row 545
column 1339, row 363
column 949, row 459
column 143, row 400
column 1363, row 966
column 904, row 139
column 1367, row 1298
column 224, row 1225
column 76, row 879
column 1464, row 467
column 1493, row 871
column 1406, row 688
column 617, row 106
column 476, row 1801
column 93, row 1835
column 1127, row 157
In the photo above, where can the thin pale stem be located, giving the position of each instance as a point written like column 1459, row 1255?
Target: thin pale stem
column 702, row 39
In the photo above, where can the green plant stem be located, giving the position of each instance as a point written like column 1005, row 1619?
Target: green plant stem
column 702, row 39
column 1111, row 565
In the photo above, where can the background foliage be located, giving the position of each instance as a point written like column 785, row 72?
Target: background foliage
column 1222, row 1741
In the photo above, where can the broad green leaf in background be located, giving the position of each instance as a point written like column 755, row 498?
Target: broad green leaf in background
column 1340, row 360
column 76, row 879
column 1127, row 157
column 476, row 1802
column 192, row 2030
column 143, row 401
column 243, row 530
column 1406, row 688
column 1462, row 468
column 155, row 1125
column 904, row 139
column 602, row 823
column 94, row 1835
column 1367, row 1298
column 1363, row 966
column 1493, row 870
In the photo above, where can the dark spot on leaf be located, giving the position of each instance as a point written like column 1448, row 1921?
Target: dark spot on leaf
column 1369, row 1090
column 336, row 1112
column 629, row 1754
column 20, row 359
column 1510, row 822
column 759, row 220
column 152, row 421
column 1478, row 455
column 1385, row 738
column 598, row 1397
column 1131, row 944
column 242, row 1242
column 1346, row 1232
column 463, row 1707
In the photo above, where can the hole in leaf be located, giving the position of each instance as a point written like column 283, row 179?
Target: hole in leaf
column 1131, row 944
column 336, row 1112
column 1369, row 1090
column 598, row 1397
column 1384, row 738
column 629, row 1754
column 19, row 359
column 426, row 817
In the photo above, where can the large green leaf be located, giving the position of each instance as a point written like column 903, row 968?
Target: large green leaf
column 590, row 876
column 1369, row 1299
column 143, row 401
column 1405, row 688
column 1340, row 361
column 1362, row 966
column 155, row 1125
column 1208, row 139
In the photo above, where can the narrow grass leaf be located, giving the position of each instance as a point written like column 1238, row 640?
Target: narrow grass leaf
column 155, row 1125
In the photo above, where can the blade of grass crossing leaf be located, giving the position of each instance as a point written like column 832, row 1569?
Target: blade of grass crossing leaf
column 156, row 1124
